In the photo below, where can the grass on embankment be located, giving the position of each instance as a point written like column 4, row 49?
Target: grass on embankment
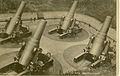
column 96, row 8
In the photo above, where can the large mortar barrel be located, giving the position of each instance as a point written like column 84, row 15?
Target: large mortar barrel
column 33, row 43
column 16, row 18
column 98, row 43
column 69, row 16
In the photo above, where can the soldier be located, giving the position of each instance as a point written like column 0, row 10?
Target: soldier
column 59, row 29
column 77, row 25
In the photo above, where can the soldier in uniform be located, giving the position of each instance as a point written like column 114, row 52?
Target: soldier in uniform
column 59, row 30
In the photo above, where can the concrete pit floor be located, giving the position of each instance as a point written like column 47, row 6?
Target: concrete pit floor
column 57, row 47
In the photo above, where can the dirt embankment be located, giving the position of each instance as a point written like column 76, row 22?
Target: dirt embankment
column 96, row 8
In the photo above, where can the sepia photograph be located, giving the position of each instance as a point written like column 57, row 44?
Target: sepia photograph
column 58, row 37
